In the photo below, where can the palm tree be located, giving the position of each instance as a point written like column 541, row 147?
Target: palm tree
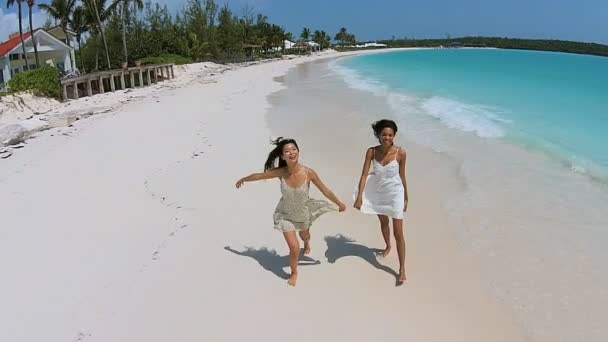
column 80, row 26
column 326, row 40
column 139, row 5
column 316, row 37
column 10, row 3
column 30, row 4
column 321, row 38
column 344, row 37
column 61, row 11
column 305, row 35
column 277, row 36
column 97, row 14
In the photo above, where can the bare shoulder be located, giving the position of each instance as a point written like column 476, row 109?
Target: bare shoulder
column 310, row 172
column 401, row 153
column 370, row 151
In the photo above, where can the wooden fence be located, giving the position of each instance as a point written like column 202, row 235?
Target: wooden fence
column 112, row 80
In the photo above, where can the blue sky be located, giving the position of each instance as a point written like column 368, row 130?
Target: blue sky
column 581, row 20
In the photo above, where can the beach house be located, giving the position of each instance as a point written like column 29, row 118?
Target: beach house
column 306, row 46
column 52, row 51
column 371, row 45
column 288, row 44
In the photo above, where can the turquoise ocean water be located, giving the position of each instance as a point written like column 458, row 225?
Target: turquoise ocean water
column 527, row 135
column 552, row 102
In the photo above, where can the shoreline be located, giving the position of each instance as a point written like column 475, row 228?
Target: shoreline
column 501, row 129
column 533, row 225
column 333, row 136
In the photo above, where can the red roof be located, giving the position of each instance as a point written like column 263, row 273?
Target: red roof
column 11, row 43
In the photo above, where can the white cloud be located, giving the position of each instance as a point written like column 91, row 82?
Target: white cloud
column 9, row 22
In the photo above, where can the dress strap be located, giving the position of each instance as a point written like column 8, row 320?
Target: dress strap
column 397, row 154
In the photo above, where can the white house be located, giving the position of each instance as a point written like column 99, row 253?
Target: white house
column 314, row 46
column 288, row 44
column 366, row 45
column 51, row 51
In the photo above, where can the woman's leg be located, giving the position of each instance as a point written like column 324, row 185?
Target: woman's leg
column 305, row 236
column 386, row 233
column 400, row 241
column 294, row 252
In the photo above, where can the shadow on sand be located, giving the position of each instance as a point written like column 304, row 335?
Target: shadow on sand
column 340, row 246
column 271, row 261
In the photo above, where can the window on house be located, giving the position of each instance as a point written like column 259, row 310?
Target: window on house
column 15, row 71
column 16, row 56
column 1, row 78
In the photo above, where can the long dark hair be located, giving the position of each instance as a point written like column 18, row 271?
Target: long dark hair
column 379, row 125
column 277, row 152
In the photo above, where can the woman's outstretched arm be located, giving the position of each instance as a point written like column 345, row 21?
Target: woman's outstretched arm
column 274, row 173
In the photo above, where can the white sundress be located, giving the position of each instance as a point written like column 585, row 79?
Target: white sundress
column 384, row 191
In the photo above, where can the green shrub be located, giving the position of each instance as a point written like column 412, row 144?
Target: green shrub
column 166, row 59
column 41, row 82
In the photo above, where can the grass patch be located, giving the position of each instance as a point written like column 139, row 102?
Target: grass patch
column 166, row 59
column 41, row 82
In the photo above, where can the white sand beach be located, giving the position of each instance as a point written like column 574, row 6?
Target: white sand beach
column 126, row 226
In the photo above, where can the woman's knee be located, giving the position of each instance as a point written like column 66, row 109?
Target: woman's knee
column 305, row 234
column 398, row 229
column 383, row 221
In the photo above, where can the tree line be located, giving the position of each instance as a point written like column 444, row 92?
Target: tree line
column 113, row 33
column 506, row 43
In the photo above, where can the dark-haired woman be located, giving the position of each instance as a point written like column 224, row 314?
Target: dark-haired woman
column 295, row 211
column 383, row 191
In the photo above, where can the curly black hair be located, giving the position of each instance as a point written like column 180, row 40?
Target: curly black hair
column 379, row 125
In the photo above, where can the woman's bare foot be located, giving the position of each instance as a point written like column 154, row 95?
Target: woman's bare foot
column 292, row 279
column 306, row 247
column 401, row 278
column 386, row 251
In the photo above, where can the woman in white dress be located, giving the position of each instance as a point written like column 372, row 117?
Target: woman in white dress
column 383, row 191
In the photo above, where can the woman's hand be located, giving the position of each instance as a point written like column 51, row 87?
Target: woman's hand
column 240, row 182
column 358, row 203
column 341, row 207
